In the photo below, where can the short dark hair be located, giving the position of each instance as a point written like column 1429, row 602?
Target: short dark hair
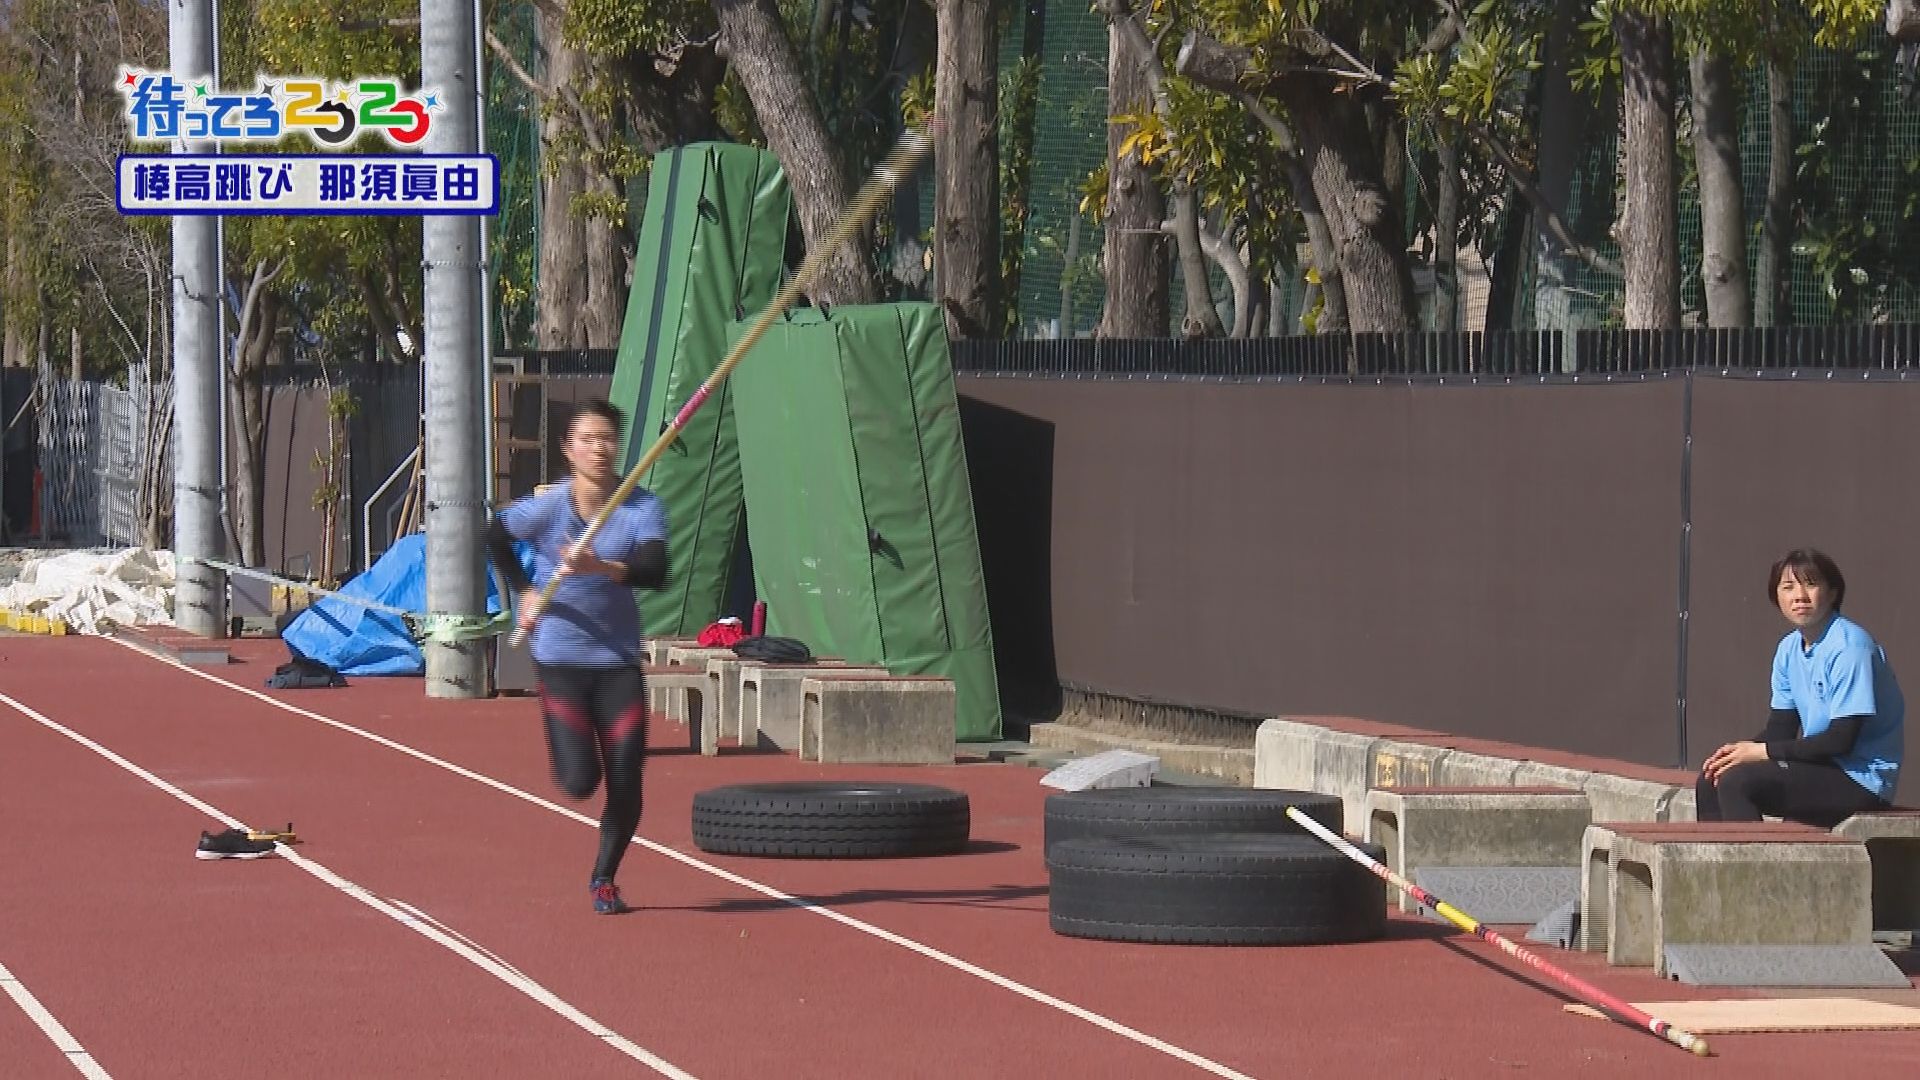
column 1811, row 566
column 600, row 407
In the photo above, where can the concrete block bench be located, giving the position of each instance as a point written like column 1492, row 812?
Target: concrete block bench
column 658, row 648
column 1506, row 854
column 723, row 695
column 1733, row 904
column 1892, row 838
column 678, row 692
column 768, row 701
column 877, row 719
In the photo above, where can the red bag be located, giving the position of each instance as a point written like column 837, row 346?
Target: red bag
column 721, row 635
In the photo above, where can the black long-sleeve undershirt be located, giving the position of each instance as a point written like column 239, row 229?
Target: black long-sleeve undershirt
column 1785, row 743
column 646, row 568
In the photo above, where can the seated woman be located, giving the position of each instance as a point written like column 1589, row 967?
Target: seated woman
column 1833, row 744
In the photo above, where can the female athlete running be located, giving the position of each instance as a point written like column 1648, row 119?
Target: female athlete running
column 587, row 646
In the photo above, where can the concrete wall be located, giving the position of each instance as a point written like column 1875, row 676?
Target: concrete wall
column 1495, row 561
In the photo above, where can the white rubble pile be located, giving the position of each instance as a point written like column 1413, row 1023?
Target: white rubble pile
column 96, row 591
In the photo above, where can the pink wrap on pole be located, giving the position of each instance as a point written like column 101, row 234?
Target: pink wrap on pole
column 692, row 406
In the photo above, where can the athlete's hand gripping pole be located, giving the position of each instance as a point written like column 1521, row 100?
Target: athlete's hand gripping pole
column 914, row 145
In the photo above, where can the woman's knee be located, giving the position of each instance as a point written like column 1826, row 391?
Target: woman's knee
column 1706, row 799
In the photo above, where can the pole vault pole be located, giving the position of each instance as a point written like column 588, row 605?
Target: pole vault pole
column 1589, row 993
column 899, row 165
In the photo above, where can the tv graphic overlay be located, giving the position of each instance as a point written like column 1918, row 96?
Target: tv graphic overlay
column 329, row 114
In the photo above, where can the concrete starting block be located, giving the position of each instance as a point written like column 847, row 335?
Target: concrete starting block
column 1733, row 904
column 877, row 719
column 1892, row 838
column 1107, row 769
column 770, row 704
column 184, row 647
column 1506, row 854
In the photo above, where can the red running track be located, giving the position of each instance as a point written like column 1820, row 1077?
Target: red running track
column 164, row 966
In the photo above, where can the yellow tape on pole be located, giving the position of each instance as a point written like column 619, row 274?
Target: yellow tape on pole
column 914, row 145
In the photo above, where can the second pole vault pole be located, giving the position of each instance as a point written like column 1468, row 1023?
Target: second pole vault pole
column 1591, row 994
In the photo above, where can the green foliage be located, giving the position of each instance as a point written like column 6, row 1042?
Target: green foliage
column 76, row 264
column 332, row 263
column 1019, row 101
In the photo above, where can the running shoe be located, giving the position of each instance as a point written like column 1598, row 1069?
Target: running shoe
column 606, row 898
column 231, row 844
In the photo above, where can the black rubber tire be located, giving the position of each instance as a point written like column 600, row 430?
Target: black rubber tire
column 844, row 819
column 1214, row 889
column 1181, row 811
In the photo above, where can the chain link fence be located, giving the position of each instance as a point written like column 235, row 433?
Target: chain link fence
column 105, row 457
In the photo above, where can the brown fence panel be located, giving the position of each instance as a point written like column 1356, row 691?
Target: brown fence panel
column 1780, row 464
column 1494, row 562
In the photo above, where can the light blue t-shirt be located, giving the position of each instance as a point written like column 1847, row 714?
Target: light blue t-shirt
column 1846, row 673
column 592, row 621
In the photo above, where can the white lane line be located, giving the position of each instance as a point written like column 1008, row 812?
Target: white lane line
column 1114, row 1026
column 409, row 917
column 61, row 1037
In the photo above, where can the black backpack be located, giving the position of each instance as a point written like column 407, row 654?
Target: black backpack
column 301, row 673
column 773, row 650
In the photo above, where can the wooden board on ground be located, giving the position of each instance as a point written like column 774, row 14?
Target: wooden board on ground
column 1776, row 1014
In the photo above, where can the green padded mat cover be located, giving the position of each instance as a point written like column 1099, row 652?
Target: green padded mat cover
column 711, row 248
column 859, row 510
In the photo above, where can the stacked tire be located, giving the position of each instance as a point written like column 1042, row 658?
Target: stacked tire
column 1205, row 866
column 837, row 819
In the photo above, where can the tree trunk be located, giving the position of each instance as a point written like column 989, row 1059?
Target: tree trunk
column 1202, row 319
column 1239, row 281
column 1723, row 210
column 757, row 46
column 1510, row 262
column 672, row 96
column 583, row 257
column 1074, row 220
column 1221, row 68
column 1772, row 295
column 259, row 323
column 1566, row 120
column 250, row 429
column 1135, row 253
column 1366, row 226
column 1649, row 232
column 14, row 349
column 966, row 160
column 1446, row 238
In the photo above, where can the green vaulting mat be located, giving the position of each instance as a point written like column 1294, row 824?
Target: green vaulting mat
column 711, row 248
column 861, row 518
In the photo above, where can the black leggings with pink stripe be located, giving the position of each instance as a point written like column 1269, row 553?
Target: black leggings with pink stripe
column 596, row 715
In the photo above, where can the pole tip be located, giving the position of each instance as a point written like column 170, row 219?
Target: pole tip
column 1700, row 1047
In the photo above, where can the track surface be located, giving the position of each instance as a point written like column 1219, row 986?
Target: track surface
column 164, row 966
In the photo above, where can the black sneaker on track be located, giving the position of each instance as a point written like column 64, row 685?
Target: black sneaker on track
column 232, row 844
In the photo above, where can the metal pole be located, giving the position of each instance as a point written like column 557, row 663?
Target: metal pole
column 220, row 321
column 486, row 248
column 200, row 590
column 455, row 385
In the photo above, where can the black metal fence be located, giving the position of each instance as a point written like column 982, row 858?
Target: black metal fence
column 1513, row 354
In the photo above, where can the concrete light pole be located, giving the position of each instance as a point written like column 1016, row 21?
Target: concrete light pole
column 455, row 375
column 200, row 591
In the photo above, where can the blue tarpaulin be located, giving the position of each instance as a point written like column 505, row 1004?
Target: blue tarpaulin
column 356, row 640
